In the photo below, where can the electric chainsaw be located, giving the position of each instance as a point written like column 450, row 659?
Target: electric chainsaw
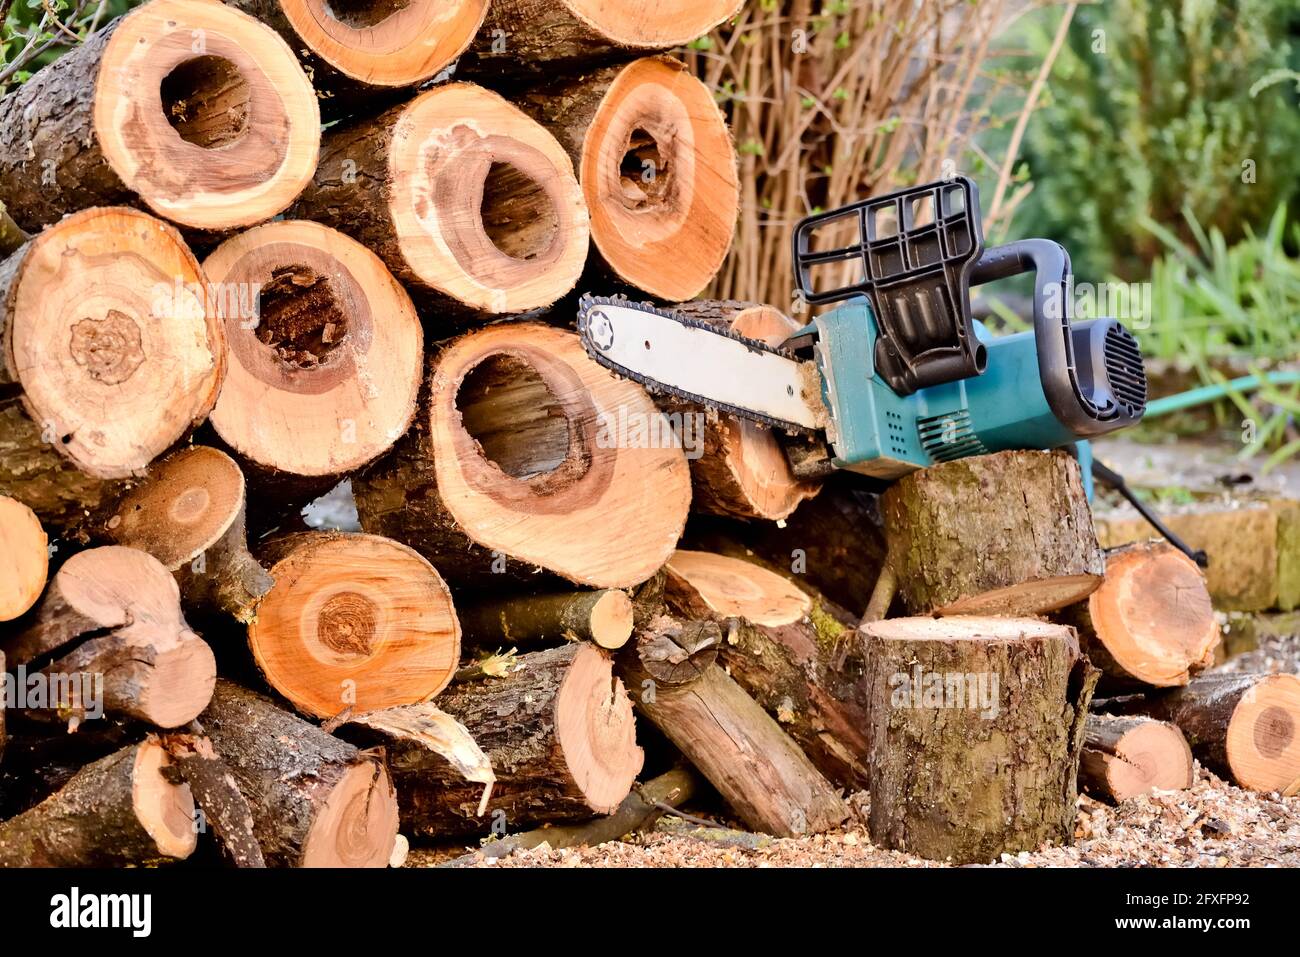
column 899, row 376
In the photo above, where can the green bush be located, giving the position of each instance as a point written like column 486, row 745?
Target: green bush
column 1150, row 109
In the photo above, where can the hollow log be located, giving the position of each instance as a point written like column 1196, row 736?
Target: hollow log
column 559, row 731
column 603, row 617
column 118, row 811
column 545, row 37
column 189, row 514
column 1243, row 727
column 360, row 51
column 138, row 654
column 976, row 728
column 512, row 465
column 1127, row 757
column 1151, row 623
column 657, row 167
column 192, row 109
column 353, row 621
column 325, row 356
column 672, row 672
column 1003, row 534
column 471, row 204
column 788, row 652
column 24, row 558
column 317, row 801
column 108, row 356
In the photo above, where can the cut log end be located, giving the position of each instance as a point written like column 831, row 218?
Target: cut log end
column 392, row 43
column 488, row 211
column 1026, row 598
column 165, row 810
column 357, row 823
column 237, row 134
column 1263, row 737
column 596, row 731
column 354, row 620
column 1127, row 757
column 725, row 587
column 108, row 309
column 658, row 170
column 610, row 619
column 325, row 357
column 24, row 558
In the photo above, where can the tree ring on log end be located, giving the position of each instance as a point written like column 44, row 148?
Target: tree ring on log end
column 390, row 43
column 164, row 810
column 607, row 512
column 357, row 826
column 658, row 170
column 139, row 357
column 1154, row 755
column 200, row 491
column 734, row 588
column 325, row 349
column 24, row 558
column 597, row 731
column 1262, row 743
column 651, row 24
column 216, row 138
column 354, row 620
column 447, row 204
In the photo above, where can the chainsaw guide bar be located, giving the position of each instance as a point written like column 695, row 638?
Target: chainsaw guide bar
column 788, row 388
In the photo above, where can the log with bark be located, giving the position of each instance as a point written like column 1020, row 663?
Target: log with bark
column 604, row 617
column 357, row 52
column 516, row 462
column 137, row 655
column 325, row 356
column 559, row 732
column 316, row 801
column 353, row 621
column 657, row 168
column 544, row 37
column 1125, row 757
column 739, row 468
column 118, row 811
column 1003, row 534
column 1151, row 623
column 976, row 728
column 1243, row 727
column 471, row 204
column 192, row 109
column 24, row 558
column 788, row 651
column 109, row 355
column 672, row 672
column 189, row 514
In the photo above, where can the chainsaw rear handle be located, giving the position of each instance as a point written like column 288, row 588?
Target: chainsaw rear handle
column 1069, row 401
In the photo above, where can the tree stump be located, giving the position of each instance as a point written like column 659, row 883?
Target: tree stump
column 353, row 621
column 24, row 558
column 513, row 465
column 470, row 203
column 1151, row 623
column 788, row 652
column 676, row 683
column 1128, row 757
column 559, row 731
column 317, row 801
column 119, row 811
column 359, row 51
column 109, row 355
column 657, row 167
column 213, row 140
column 189, row 514
column 1003, row 534
column 1243, row 727
column 976, row 728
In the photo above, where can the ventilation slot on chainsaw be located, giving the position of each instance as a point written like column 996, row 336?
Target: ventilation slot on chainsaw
column 949, row 436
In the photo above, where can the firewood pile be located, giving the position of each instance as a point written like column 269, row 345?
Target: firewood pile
column 551, row 624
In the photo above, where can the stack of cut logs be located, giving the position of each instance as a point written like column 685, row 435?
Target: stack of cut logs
column 213, row 312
